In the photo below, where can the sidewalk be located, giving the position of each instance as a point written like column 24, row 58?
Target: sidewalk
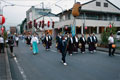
column 4, row 67
column 106, row 50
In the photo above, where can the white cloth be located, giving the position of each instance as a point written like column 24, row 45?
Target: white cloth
column 91, row 39
column 1, row 40
column 71, row 40
column 111, row 40
column 94, row 38
column 83, row 39
column 47, row 38
column 76, row 39
column 16, row 38
column 34, row 39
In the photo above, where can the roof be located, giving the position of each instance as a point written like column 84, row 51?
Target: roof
column 88, row 3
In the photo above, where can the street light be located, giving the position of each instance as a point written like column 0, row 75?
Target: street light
column 6, row 6
column 62, row 11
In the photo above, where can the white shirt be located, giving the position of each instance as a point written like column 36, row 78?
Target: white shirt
column 47, row 38
column 83, row 39
column 1, row 40
column 34, row 39
column 94, row 38
column 71, row 40
column 91, row 39
column 111, row 40
column 16, row 38
column 76, row 39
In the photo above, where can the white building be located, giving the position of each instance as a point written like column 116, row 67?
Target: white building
column 40, row 14
column 95, row 14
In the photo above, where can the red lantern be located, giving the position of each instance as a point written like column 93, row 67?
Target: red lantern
column 48, row 24
column 2, row 29
column 2, row 20
column 40, row 24
column 66, row 27
column 110, row 26
column 85, row 27
column 43, row 24
column 53, row 24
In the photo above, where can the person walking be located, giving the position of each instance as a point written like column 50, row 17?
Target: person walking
column 11, row 45
column 63, row 50
column 17, row 40
column 34, row 42
column 95, row 40
column 47, row 40
column 70, row 45
column 82, row 43
column 1, row 44
column 90, row 43
column 111, row 42
column 76, row 43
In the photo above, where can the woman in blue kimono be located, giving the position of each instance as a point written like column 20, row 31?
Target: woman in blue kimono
column 34, row 42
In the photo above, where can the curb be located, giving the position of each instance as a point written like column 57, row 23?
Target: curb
column 8, row 75
column 116, row 52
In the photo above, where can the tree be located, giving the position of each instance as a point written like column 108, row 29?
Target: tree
column 106, row 33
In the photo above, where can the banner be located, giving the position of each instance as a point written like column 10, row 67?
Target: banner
column 73, row 30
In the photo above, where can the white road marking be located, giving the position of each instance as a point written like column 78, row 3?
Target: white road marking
column 20, row 69
column 53, row 50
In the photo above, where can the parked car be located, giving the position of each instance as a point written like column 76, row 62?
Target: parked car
column 118, row 35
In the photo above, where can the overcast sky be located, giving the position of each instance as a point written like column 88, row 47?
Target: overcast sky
column 15, row 14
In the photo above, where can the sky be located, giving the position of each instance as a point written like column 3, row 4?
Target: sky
column 15, row 14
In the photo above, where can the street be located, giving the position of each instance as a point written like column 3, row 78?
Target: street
column 47, row 65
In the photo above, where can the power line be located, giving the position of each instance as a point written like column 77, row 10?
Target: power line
column 20, row 5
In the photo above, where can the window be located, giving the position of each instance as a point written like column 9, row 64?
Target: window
column 98, row 4
column 68, row 16
column 105, row 4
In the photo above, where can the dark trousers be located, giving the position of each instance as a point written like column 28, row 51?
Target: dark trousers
column 1, row 47
column 63, row 57
column 111, row 52
column 91, row 46
column 11, row 49
column 16, row 43
column 70, row 50
column 94, row 47
column 47, row 45
column 83, row 48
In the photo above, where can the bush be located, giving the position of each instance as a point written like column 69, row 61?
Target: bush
column 106, row 33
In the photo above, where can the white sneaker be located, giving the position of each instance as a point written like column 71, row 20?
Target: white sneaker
column 65, row 64
column 70, row 54
column 62, row 61
column 94, row 50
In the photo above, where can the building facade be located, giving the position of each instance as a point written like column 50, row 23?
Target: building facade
column 37, row 15
column 96, row 15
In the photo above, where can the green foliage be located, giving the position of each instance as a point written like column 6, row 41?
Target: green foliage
column 106, row 33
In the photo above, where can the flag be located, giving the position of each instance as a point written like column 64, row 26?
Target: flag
column 73, row 30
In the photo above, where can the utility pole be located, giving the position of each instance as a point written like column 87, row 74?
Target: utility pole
column 74, row 21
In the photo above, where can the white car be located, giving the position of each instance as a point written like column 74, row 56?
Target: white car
column 118, row 35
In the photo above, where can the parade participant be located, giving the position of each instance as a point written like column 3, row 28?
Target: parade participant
column 90, row 43
column 46, row 40
column 28, row 39
column 111, row 42
column 95, row 40
column 76, row 43
column 50, row 40
column 63, row 49
column 82, row 43
column 17, row 40
column 11, row 45
column 1, row 44
column 70, row 45
column 34, row 42
column 58, row 40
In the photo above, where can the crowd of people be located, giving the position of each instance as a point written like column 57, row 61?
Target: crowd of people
column 64, row 43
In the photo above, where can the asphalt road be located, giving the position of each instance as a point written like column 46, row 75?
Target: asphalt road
column 46, row 65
